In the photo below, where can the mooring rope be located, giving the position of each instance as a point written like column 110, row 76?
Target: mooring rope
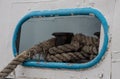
column 26, row 54
column 78, row 41
column 81, row 49
column 87, row 52
column 64, row 48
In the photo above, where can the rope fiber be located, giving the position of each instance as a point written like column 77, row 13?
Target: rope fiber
column 82, row 49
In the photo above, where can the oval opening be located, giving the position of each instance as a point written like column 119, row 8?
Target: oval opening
column 38, row 26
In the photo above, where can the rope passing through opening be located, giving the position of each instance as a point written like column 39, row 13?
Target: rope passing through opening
column 81, row 49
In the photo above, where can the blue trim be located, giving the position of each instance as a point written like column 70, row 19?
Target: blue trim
column 65, row 12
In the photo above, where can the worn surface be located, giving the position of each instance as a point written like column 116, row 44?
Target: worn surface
column 13, row 10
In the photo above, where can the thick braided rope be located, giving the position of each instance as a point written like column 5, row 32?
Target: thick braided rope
column 43, row 47
column 26, row 54
column 64, row 57
column 13, row 64
column 87, row 53
column 86, row 40
column 64, row 48
column 90, row 49
column 60, row 57
column 63, row 53
column 77, row 42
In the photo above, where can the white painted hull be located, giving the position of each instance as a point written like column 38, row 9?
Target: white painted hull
column 13, row 10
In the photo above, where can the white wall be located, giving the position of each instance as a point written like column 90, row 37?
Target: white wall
column 116, row 43
column 13, row 10
column 5, row 33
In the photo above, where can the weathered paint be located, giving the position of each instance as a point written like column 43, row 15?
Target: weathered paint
column 13, row 10
column 65, row 12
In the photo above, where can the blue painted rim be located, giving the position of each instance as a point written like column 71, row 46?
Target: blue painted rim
column 65, row 12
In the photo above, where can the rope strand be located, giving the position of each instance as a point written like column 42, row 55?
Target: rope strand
column 81, row 49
